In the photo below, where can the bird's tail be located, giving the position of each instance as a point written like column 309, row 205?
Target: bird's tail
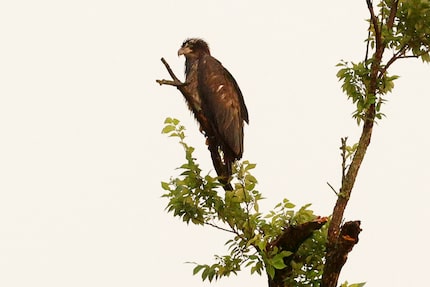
column 223, row 167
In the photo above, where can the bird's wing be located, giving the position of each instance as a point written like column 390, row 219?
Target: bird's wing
column 223, row 102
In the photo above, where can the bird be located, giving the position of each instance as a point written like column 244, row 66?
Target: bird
column 215, row 99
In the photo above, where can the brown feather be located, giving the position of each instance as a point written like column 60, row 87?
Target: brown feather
column 218, row 105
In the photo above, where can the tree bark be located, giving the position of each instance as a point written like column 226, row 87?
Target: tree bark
column 290, row 240
column 342, row 238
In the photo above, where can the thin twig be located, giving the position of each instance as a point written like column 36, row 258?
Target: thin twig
column 343, row 154
column 399, row 55
column 170, row 83
column 218, row 227
column 170, row 70
column 396, row 56
column 374, row 21
column 221, row 228
column 176, row 82
column 332, row 188
column 366, row 57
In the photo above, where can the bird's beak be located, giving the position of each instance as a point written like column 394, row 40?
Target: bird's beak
column 184, row 51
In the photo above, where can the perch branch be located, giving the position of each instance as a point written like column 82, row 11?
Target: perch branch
column 176, row 82
column 204, row 124
column 182, row 87
column 291, row 240
column 294, row 235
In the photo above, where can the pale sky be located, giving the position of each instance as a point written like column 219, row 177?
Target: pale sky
column 82, row 156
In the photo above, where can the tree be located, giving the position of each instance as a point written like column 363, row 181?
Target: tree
column 296, row 247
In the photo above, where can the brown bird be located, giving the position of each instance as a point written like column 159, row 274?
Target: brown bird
column 217, row 103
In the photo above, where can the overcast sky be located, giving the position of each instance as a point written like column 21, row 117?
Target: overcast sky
column 82, row 156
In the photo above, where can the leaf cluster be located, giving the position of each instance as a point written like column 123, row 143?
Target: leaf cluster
column 356, row 78
column 409, row 33
column 402, row 29
column 199, row 199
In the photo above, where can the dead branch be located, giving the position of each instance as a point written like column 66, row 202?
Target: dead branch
column 169, row 70
column 338, row 255
column 291, row 240
column 182, row 87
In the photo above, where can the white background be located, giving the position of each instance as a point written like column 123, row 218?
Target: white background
column 82, row 156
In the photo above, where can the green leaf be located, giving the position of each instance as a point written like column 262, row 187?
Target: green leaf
column 165, row 185
column 250, row 166
column 167, row 129
column 198, row 268
column 256, row 207
column 168, row 121
column 257, row 268
column 211, row 273
column 175, row 121
column 205, row 272
column 270, row 271
column 289, row 205
column 278, row 260
column 425, row 57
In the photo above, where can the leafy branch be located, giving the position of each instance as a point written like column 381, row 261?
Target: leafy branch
column 404, row 28
column 296, row 247
column 283, row 240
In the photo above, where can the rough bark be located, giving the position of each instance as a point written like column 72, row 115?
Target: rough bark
column 339, row 253
column 342, row 238
column 290, row 240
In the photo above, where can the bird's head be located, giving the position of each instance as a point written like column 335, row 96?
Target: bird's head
column 193, row 48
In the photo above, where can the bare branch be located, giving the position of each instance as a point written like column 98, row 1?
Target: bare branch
column 291, row 239
column 399, row 54
column 332, row 188
column 374, row 21
column 393, row 12
column 366, row 57
column 220, row 228
column 176, row 82
column 170, row 83
column 170, row 70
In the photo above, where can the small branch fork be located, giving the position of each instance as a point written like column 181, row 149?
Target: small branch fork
column 176, row 82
